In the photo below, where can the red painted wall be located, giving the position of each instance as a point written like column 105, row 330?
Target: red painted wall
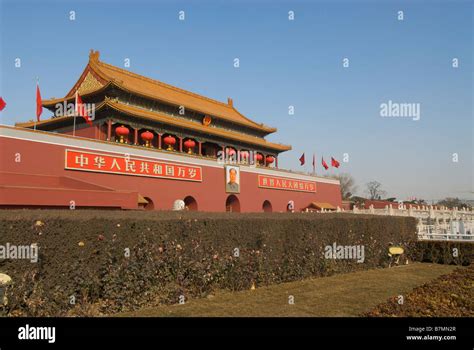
column 91, row 132
column 379, row 204
column 48, row 159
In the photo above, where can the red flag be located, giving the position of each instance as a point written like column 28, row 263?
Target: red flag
column 334, row 163
column 39, row 107
column 302, row 159
column 81, row 109
column 314, row 163
column 2, row 103
column 324, row 163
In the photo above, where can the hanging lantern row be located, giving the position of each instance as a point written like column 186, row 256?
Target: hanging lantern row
column 244, row 155
column 122, row 132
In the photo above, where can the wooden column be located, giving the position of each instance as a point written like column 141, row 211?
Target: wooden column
column 109, row 130
column 181, row 144
column 200, row 148
column 135, row 136
column 264, row 160
column 159, row 141
column 276, row 162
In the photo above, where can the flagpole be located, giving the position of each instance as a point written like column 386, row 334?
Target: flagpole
column 74, row 126
column 37, row 83
column 75, row 112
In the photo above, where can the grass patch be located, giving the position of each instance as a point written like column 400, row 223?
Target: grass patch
column 348, row 294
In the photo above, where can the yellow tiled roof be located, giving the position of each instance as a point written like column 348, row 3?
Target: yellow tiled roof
column 322, row 205
column 158, row 90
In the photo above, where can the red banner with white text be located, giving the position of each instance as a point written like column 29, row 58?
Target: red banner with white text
column 281, row 183
column 125, row 165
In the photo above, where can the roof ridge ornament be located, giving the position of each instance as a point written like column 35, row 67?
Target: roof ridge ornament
column 94, row 55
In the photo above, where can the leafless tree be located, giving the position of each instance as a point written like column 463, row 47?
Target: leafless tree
column 453, row 202
column 374, row 190
column 348, row 186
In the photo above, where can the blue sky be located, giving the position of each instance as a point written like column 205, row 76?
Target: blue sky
column 282, row 63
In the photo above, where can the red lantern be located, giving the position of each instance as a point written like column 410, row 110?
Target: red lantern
column 244, row 156
column 122, row 132
column 259, row 157
column 270, row 160
column 189, row 144
column 170, row 141
column 147, row 137
column 230, row 151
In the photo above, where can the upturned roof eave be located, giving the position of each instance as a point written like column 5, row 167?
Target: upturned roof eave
column 154, row 116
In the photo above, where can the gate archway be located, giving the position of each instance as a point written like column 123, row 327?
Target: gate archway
column 232, row 204
column 267, row 206
column 191, row 203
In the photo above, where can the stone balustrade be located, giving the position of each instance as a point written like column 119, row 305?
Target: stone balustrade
column 434, row 222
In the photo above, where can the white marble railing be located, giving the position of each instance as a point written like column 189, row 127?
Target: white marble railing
column 434, row 223
column 453, row 231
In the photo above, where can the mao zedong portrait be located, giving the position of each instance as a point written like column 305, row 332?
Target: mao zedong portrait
column 232, row 180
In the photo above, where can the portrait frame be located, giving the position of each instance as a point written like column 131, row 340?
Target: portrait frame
column 230, row 188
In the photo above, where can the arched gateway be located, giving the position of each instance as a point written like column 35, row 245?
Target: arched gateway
column 267, row 206
column 232, row 204
column 191, row 203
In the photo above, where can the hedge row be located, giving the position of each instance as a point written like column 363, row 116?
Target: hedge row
column 94, row 263
column 458, row 253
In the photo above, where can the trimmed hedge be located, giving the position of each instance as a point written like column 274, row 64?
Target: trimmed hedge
column 177, row 255
column 457, row 253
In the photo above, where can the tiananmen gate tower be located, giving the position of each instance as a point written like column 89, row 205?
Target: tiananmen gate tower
column 147, row 145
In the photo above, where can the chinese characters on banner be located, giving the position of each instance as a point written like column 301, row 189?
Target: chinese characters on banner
column 281, row 183
column 122, row 165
